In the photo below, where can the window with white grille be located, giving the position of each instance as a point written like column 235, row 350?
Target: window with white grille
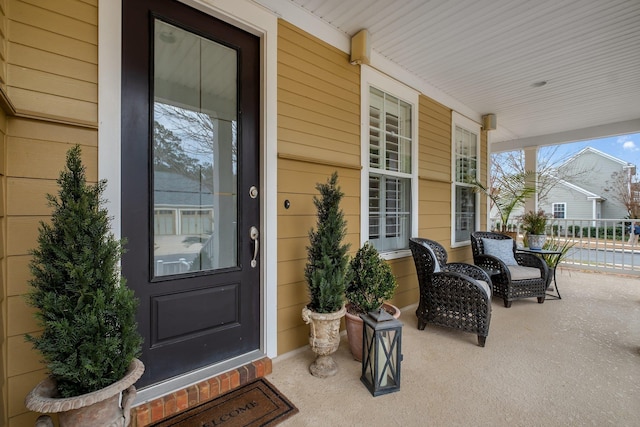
column 388, row 168
column 560, row 210
column 465, row 171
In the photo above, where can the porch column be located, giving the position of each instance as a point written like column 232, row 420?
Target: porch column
column 531, row 164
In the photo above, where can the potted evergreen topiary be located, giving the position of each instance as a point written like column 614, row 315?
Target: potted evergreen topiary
column 326, row 275
column 89, row 341
column 372, row 283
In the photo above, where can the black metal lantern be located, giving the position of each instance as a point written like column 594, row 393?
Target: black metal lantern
column 381, row 352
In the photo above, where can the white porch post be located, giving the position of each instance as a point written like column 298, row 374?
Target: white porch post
column 531, row 164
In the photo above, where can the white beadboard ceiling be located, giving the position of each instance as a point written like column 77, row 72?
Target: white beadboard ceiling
column 487, row 55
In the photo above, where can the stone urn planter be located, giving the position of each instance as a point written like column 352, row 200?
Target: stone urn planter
column 324, row 339
column 354, row 329
column 100, row 408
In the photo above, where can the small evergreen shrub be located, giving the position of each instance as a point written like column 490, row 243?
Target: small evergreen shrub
column 372, row 281
column 88, row 314
column 326, row 271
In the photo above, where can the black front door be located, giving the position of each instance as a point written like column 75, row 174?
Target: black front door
column 190, row 208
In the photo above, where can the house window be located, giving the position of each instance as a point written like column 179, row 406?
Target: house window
column 560, row 210
column 465, row 171
column 389, row 169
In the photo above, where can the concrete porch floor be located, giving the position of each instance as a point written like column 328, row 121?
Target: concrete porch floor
column 569, row 362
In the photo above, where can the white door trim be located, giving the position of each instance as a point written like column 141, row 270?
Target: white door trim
column 251, row 18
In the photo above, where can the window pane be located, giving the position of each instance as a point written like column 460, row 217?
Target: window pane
column 194, row 153
column 392, row 149
column 559, row 210
column 390, row 133
column 465, row 215
column 375, row 127
column 389, row 212
column 405, row 119
column 466, row 156
column 466, row 164
column 374, row 207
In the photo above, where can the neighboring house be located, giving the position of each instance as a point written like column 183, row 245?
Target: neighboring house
column 183, row 210
column 73, row 73
column 586, row 196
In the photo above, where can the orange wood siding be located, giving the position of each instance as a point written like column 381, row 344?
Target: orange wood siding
column 434, row 172
column 3, row 45
column 435, row 177
column 318, row 133
column 51, row 67
column 318, row 99
column 3, row 269
column 49, row 75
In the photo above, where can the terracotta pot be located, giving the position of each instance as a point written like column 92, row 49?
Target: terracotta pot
column 354, row 329
column 324, row 339
column 99, row 408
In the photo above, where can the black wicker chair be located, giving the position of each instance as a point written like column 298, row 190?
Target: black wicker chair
column 458, row 296
column 511, row 282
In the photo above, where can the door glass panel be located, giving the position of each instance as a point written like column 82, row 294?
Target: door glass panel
column 195, row 204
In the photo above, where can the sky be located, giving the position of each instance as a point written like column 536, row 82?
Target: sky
column 626, row 148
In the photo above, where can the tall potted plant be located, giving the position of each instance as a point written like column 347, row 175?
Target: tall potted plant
column 89, row 341
column 372, row 283
column 510, row 194
column 326, row 276
column 535, row 225
column 559, row 245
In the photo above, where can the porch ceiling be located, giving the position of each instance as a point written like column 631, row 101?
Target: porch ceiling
column 488, row 56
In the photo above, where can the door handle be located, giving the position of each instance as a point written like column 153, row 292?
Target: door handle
column 254, row 233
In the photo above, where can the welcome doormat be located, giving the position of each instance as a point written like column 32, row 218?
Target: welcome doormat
column 255, row 404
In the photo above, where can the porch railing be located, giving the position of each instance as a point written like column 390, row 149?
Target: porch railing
column 602, row 244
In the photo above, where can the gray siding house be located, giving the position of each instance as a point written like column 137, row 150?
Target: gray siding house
column 586, row 197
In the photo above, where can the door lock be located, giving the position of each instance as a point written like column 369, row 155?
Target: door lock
column 253, row 192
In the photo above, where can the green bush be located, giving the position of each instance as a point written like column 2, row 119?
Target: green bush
column 87, row 313
column 574, row 230
column 326, row 271
column 603, row 232
column 372, row 282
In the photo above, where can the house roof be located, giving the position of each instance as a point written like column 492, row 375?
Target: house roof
column 599, row 153
column 492, row 56
column 574, row 187
column 174, row 189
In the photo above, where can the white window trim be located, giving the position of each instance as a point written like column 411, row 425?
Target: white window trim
column 371, row 77
column 458, row 119
column 553, row 209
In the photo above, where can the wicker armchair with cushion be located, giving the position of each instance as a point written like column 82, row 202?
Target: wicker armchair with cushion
column 515, row 275
column 455, row 295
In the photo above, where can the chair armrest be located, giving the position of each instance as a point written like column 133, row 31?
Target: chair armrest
column 454, row 285
column 494, row 263
column 470, row 270
column 490, row 262
column 530, row 260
